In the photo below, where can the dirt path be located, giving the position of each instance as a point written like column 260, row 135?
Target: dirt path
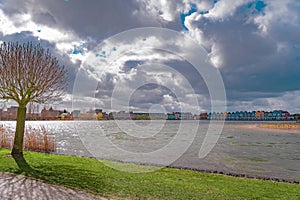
column 17, row 187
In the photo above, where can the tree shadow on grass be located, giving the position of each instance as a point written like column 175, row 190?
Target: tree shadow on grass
column 23, row 165
column 26, row 169
column 66, row 174
column 13, row 186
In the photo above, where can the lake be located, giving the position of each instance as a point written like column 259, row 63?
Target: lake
column 235, row 149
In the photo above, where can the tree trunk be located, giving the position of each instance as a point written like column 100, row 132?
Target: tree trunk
column 17, row 150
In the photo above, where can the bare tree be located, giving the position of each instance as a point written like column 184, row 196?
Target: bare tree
column 28, row 73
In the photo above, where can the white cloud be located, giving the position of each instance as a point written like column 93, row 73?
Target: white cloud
column 240, row 44
column 286, row 101
column 150, row 55
column 168, row 11
column 7, row 27
column 64, row 40
column 224, row 9
column 111, row 57
column 277, row 11
column 164, row 9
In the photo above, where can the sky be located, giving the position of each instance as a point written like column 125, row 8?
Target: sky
column 116, row 62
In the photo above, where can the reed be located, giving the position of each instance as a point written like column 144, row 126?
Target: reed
column 5, row 140
column 35, row 139
column 284, row 125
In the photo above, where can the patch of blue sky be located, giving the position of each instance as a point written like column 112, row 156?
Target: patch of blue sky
column 255, row 7
column 258, row 5
column 101, row 55
column 77, row 51
column 184, row 15
column 105, row 54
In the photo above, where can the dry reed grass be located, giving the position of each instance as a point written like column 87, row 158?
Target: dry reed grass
column 281, row 126
column 35, row 139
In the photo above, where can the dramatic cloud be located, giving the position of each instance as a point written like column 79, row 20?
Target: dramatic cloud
column 254, row 44
column 256, row 47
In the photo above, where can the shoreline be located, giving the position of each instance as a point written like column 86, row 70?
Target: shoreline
column 285, row 127
column 238, row 175
column 208, row 171
column 89, row 175
column 222, row 169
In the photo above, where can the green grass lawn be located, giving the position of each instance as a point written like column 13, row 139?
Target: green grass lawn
column 93, row 176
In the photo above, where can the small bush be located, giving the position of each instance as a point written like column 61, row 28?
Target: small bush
column 35, row 139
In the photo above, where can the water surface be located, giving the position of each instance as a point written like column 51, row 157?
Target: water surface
column 239, row 150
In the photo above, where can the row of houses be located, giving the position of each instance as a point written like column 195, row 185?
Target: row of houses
column 45, row 114
column 180, row 116
column 98, row 114
column 276, row 115
column 52, row 114
column 122, row 115
column 9, row 114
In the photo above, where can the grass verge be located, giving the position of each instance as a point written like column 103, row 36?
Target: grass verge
column 93, row 176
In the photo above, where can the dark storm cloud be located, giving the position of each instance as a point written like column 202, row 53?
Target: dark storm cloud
column 92, row 18
column 20, row 37
column 251, row 95
column 253, row 62
column 131, row 64
column 149, row 94
column 105, row 86
column 191, row 74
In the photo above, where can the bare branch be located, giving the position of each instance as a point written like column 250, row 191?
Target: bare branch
column 28, row 73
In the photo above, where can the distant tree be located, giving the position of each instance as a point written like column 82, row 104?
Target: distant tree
column 28, row 73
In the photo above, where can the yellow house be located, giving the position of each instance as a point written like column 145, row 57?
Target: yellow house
column 100, row 116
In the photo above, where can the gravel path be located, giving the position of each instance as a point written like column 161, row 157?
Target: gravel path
column 18, row 187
